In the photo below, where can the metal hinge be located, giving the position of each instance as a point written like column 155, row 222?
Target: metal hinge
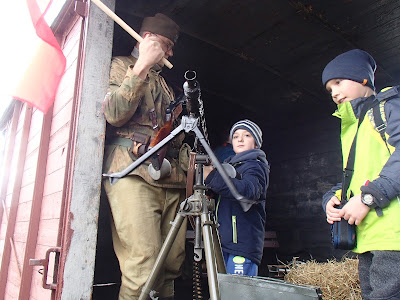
column 81, row 8
column 45, row 263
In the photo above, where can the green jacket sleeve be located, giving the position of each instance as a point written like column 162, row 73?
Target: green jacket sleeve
column 125, row 92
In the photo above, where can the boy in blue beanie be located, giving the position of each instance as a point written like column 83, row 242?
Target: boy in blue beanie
column 242, row 225
column 373, row 194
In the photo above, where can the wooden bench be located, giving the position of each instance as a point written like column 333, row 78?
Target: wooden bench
column 270, row 238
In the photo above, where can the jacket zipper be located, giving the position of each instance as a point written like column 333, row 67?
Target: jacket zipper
column 234, row 231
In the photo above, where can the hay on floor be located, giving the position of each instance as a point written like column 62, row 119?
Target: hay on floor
column 337, row 280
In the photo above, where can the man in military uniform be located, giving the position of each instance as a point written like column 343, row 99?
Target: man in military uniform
column 143, row 206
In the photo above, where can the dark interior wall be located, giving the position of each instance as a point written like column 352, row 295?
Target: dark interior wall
column 305, row 163
column 271, row 75
column 302, row 144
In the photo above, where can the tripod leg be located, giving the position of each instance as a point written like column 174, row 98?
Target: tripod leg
column 210, row 258
column 221, row 268
column 176, row 225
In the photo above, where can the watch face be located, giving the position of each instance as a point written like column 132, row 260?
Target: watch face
column 368, row 199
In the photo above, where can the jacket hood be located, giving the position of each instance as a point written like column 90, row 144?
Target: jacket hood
column 253, row 154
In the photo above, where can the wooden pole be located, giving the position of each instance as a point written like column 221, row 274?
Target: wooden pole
column 125, row 26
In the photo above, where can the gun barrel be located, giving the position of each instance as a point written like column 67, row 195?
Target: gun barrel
column 191, row 89
column 190, row 75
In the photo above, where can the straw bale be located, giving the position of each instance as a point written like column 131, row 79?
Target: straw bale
column 336, row 279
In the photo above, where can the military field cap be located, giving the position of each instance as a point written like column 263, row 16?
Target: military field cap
column 250, row 127
column 356, row 65
column 162, row 25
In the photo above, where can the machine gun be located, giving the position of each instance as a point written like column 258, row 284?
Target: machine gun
column 188, row 124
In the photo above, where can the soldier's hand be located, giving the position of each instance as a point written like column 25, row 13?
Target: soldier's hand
column 135, row 148
column 150, row 51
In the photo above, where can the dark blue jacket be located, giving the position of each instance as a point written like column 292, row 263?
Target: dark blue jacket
column 242, row 233
column 224, row 151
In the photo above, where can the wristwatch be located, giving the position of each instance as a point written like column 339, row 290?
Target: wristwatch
column 368, row 200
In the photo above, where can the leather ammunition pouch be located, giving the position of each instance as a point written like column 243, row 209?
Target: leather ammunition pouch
column 140, row 138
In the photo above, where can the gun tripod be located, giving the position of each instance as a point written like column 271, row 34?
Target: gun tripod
column 199, row 207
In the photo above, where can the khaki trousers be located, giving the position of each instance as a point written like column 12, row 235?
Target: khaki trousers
column 141, row 216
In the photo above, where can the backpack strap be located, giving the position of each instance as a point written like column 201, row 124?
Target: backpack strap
column 380, row 124
column 378, row 112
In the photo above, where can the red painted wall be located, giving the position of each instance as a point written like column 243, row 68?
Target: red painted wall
column 53, row 184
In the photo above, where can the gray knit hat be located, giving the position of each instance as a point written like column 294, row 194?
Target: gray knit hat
column 250, row 127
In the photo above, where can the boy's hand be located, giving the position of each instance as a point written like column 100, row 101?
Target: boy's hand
column 332, row 213
column 354, row 211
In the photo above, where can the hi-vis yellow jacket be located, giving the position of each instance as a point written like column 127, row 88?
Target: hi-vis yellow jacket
column 377, row 161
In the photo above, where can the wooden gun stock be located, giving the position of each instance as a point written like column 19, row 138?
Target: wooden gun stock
column 158, row 158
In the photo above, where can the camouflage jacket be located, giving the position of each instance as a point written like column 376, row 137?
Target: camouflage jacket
column 127, row 107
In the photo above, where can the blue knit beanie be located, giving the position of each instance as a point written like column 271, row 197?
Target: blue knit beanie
column 250, row 127
column 356, row 65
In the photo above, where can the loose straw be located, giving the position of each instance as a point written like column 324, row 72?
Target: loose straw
column 125, row 26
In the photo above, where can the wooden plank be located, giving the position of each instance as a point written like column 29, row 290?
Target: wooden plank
column 31, row 159
column 47, row 233
column 37, row 291
column 63, row 117
column 26, row 193
column 11, row 133
column 36, row 207
column 24, row 211
column 271, row 244
column 33, row 144
column 57, row 160
column 51, row 206
column 11, row 291
column 5, row 260
column 270, row 234
column 60, row 138
column 54, row 182
column 21, row 232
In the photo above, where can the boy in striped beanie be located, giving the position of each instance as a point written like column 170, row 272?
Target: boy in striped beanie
column 251, row 128
column 241, row 223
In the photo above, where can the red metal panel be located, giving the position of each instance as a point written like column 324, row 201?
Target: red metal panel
column 54, row 182
column 40, row 183
column 54, row 190
column 36, row 206
column 7, row 162
column 5, row 261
